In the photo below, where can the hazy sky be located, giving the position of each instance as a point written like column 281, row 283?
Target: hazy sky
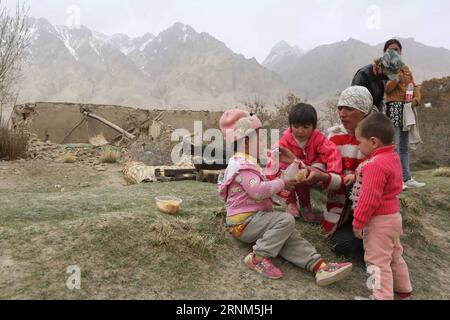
column 252, row 27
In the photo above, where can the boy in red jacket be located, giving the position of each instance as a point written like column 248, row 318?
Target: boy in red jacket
column 313, row 148
column 377, row 219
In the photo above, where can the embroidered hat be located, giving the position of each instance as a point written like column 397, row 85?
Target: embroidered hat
column 357, row 97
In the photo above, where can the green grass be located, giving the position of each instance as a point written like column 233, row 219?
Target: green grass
column 126, row 249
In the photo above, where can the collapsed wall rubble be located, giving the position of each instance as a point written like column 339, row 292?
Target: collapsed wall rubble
column 63, row 123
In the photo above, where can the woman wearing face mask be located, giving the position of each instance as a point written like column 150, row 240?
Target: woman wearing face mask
column 396, row 98
column 374, row 76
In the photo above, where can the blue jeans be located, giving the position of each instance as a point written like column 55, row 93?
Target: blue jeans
column 401, row 140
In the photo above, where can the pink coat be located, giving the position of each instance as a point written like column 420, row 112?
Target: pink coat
column 245, row 189
column 319, row 151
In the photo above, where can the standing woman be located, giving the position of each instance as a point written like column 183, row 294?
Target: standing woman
column 395, row 100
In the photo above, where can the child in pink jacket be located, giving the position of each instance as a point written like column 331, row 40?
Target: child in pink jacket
column 377, row 219
column 313, row 148
column 250, row 215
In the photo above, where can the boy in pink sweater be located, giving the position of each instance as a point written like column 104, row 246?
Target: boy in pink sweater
column 250, row 215
column 377, row 219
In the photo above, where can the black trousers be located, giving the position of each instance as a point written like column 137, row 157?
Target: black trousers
column 343, row 242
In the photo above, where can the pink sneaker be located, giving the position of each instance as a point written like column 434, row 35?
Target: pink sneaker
column 333, row 272
column 292, row 209
column 263, row 266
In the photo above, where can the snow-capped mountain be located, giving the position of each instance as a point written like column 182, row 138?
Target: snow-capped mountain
column 128, row 45
column 179, row 68
column 282, row 57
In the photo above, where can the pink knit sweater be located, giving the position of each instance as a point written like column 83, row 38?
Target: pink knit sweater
column 379, row 182
column 245, row 189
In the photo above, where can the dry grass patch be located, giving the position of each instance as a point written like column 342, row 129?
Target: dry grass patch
column 13, row 142
column 109, row 156
column 69, row 158
column 442, row 172
column 178, row 234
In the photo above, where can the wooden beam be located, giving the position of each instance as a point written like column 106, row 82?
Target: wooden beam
column 110, row 124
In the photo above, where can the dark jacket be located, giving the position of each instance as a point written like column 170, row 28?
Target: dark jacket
column 375, row 84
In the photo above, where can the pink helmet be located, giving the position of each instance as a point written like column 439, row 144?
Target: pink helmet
column 236, row 124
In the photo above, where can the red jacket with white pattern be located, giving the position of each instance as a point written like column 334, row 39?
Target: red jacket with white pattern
column 347, row 144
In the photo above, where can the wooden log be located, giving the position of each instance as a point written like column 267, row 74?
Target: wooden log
column 110, row 124
column 210, row 176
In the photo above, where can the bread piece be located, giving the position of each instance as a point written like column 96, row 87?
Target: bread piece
column 301, row 176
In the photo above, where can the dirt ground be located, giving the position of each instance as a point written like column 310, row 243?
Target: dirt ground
column 56, row 215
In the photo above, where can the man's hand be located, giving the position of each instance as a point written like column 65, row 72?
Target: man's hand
column 315, row 176
column 349, row 179
column 358, row 233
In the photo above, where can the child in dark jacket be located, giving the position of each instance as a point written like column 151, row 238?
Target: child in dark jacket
column 310, row 146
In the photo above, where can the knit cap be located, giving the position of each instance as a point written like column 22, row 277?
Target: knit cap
column 357, row 97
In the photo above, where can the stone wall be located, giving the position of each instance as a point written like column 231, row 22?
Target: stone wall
column 55, row 121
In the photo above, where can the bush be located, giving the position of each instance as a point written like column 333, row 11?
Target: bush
column 277, row 116
column 13, row 142
column 259, row 109
column 280, row 118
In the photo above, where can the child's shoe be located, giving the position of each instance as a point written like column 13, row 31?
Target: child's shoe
column 292, row 209
column 413, row 184
column 402, row 296
column 332, row 272
column 263, row 266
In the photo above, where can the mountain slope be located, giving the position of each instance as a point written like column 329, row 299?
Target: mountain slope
column 323, row 71
column 179, row 68
column 282, row 57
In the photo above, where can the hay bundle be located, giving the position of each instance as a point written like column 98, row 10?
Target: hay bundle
column 137, row 172
column 442, row 172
